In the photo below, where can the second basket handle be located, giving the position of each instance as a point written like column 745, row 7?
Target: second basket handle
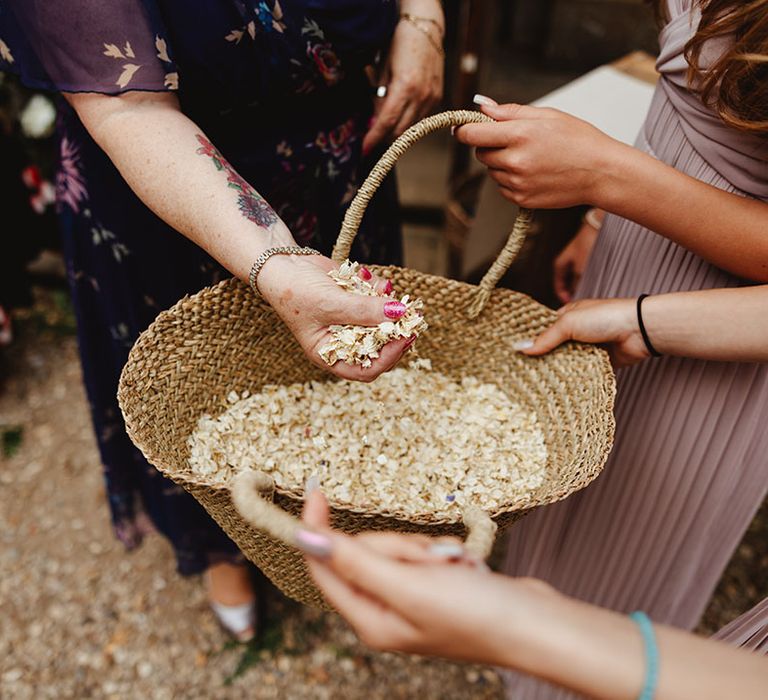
column 252, row 496
column 387, row 161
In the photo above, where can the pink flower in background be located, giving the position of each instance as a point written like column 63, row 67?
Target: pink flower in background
column 327, row 62
column 338, row 142
column 70, row 185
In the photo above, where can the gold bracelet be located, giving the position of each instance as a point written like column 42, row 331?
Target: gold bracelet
column 267, row 254
column 417, row 18
column 414, row 22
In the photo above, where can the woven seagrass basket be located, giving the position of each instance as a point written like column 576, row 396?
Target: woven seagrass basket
column 225, row 339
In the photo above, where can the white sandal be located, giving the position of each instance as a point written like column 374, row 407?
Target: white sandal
column 240, row 621
column 237, row 620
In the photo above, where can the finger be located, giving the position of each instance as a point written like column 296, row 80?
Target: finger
column 376, row 575
column 555, row 335
column 407, row 118
column 316, row 512
column 388, row 357
column 575, row 281
column 509, row 194
column 494, row 158
column 414, row 548
column 381, row 285
column 341, row 307
column 512, row 111
column 374, row 622
column 485, row 135
column 562, row 273
column 389, row 115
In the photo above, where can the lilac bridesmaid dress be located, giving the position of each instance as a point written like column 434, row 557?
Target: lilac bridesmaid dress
column 689, row 469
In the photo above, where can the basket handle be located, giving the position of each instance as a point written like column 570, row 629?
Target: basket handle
column 357, row 208
column 252, row 493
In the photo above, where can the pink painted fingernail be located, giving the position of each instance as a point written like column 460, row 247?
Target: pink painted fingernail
column 365, row 274
column 410, row 342
column 394, row 309
column 388, row 288
column 313, row 543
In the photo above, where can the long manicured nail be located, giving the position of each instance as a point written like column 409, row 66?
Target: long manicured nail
column 313, row 543
column 388, row 288
column 410, row 342
column 365, row 274
column 312, row 484
column 453, row 130
column 394, row 309
column 449, row 550
column 526, row 344
column 484, row 101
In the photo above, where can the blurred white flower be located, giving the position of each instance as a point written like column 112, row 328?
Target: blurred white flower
column 38, row 117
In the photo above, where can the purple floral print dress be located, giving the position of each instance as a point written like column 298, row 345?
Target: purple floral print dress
column 280, row 89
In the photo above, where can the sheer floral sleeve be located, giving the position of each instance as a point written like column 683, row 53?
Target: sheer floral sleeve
column 107, row 46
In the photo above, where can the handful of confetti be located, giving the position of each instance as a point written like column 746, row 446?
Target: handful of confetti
column 360, row 345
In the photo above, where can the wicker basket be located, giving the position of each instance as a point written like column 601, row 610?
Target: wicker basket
column 224, row 338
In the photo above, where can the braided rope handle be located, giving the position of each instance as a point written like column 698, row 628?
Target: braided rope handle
column 387, row 161
column 252, row 495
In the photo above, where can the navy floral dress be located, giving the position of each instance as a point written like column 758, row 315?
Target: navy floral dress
column 279, row 87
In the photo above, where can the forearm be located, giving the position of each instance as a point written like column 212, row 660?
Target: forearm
column 716, row 324
column 726, row 229
column 166, row 159
column 600, row 654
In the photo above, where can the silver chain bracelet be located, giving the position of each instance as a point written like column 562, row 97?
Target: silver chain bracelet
column 267, row 254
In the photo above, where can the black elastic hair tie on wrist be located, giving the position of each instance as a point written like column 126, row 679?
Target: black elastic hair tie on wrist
column 654, row 352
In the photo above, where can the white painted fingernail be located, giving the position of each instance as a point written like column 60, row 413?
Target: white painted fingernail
column 453, row 130
column 484, row 101
column 449, row 550
column 312, row 484
column 526, row 344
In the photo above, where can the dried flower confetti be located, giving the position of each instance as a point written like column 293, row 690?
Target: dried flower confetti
column 386, row 444
column 360, row 345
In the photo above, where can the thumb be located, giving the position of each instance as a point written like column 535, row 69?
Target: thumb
column 510, row 111
column 555, row 335
column 368, row 311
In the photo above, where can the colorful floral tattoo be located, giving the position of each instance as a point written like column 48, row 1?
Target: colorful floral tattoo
column 252, row 205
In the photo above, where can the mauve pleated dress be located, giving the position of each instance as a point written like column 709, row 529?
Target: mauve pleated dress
column 689, row 467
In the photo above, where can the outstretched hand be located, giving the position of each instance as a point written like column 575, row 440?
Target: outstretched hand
column 308, row 301
column 399, row 594
column 612, row 322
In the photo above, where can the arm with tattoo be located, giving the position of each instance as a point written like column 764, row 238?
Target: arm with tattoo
column 158, row 150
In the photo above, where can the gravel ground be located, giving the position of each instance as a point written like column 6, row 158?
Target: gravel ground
column 79, row 618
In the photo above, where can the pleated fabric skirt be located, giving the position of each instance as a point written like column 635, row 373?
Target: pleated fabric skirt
column 689, row 467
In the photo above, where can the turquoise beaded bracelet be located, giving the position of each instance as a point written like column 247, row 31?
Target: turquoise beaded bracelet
column 651, row 655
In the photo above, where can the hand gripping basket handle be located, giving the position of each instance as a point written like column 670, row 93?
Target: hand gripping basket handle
column 252, row 495
column 359, row 204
